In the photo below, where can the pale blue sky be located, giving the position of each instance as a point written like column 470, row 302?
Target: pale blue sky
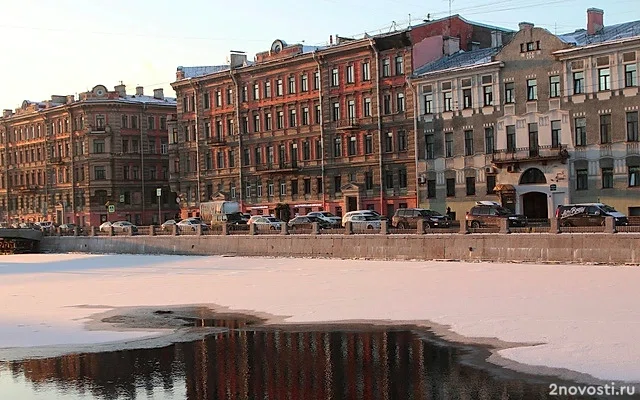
column 68, row 46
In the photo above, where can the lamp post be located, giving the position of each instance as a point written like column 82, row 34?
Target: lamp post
column 159, row 194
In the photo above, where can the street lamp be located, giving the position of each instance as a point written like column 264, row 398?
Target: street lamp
column 159, row 194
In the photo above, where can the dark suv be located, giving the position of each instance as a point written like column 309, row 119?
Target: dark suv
column 407, row 218
column 490, row 213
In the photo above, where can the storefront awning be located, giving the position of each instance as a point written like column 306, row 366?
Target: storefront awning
column 504, row 187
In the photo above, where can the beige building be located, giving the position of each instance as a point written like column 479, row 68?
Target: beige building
column 543, row 121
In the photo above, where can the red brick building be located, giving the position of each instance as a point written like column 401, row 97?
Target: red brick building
column 65, row 159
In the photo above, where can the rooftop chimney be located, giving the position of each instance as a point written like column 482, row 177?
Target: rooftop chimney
column 179, row 73
column 139, row 91
column 237, row 59
column 71, row 98
column 330, row 40
column 496, row 39
column 7, row 113
column 121, row 89
column 158, row 94
column 595, row 20
column 58, row 99
column 451, row 45
column 525, row 25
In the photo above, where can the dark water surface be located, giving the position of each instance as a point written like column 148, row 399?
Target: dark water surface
column 272, row 364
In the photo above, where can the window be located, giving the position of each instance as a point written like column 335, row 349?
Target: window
column 634, row 176
column 293, row 120
column 582, row 181
column 350, row 75
column 206, row 100
column 604, row 79
column 220, row 159
column 581, row 131
column 319, row 185
column 100, row 173
column 256, row 122
column 267, row 122
column 283, row 188
column 207, row 129
column 368, row 144
column 509, row 92
column 335, row 114
column 125, row 173
column 388, row 179
column 630, row 75
column 489, row 140
column 294, row 187
column 555, row 133
column 304, row 83
column 402, row 178
column 280, row 120
column 229, row 97
column 351, row 111
column 366, row 107
column 532, row 89
column 428, row 103
column 353, row 144
column 468, row 143
column 337, row 147
column 163, row 123
column 305, row 116
column 317, row 114
column 244, row 94
column 306, row 150
column 448, row 145
column 307, row 185
column 335, row 78
column 279, row 88
column 368, row 180
column 488, row 95
column 267, row 89
column 208, row 161
column 402, row 141
column 270, row 155
column 270, row 189
column 245, row 124
column 386, row 104
column 607, row 178
column 316, row 80
column 386, row 68
column 471, row 185
column 466, row 98
column 337, row 184
column 366, row 73
column 451, row 187
column 430, row 152
column 98, row 146
column 605, row 128
column 448, row 101
column 554, row 86
column 232, row 159
column 533, row 140
column 578, row 82
column 247, row 157
column 431, row 189
column 400, row 102
column 632, row 126
column 388, row 142
column 511, row 137
column 318, row 149
column 491, row 184
column 256, row 91
column 399, row 65
column 292, row 84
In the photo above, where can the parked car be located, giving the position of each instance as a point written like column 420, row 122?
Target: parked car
column 69, row 228
column 104, row 227
column 589, row 214
column 363, row 221
column 348, row 215
column 44, row 226
column 168, row 224
column 326, row 217
column 191, row 224
column 263, row 222
column 407, row 218
column 489, row 213
column 124, row 226
column 306, row 222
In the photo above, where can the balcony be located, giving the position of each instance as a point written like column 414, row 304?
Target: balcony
column 100, row 129
column 347, row 124
column 215, row 141
column 540, row 154
column 633, row 147
column 278, row 167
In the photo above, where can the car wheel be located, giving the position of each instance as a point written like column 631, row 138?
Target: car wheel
column 369, row 226
column 475, row 224
column 402, row 225
column 426, row 227
column 566, row 224
column 273, row 228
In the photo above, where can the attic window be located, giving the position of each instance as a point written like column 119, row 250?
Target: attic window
column 626, row 57
column 466, row 82
column 577, row 65
column 446, row 85
column 530, row 46
column 486, row 79
column 426, row 89
column 602, row 61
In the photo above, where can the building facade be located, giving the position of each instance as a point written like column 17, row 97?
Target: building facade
column 506, row 125
column 328, row 128
column 67, row 159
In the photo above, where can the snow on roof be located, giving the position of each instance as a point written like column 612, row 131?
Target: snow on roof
column 194, row 72
column 606, row 34
column 137, row 99
column 458, row 60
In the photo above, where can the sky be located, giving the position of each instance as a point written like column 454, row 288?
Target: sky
column 66, row 47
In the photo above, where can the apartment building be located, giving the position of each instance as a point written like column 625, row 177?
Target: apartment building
column 317, row 128
column 67, row 159
column 508, row 125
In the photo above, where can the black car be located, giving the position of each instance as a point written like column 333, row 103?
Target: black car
column 490, row 213
column 306, row 222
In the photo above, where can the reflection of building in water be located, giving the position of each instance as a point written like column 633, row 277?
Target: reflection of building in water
column 272, row 364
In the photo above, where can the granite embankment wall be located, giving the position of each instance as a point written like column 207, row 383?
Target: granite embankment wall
column 618, row 248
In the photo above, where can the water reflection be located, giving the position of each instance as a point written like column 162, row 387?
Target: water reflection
column 274, row 364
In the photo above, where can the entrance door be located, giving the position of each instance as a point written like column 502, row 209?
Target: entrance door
column 534, row 205
column 352, row 203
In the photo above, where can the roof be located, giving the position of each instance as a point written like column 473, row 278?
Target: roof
column 606, row 34
column 194, row 72
column 479, row 24
column 460, row 59
column 136, row 99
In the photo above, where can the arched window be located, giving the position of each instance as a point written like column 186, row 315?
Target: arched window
column 532, row 176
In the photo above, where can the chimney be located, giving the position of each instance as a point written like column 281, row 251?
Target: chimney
column 330, row 40
column 179, row 73
column 237, row 59
column 451, row 45
column 496, row 39
column 121, row 89
column 71, row 98
column 139, row 91
column 525, row 26
column 595, row 20
column 58, row 99
column 7, row 113
column 158, row 94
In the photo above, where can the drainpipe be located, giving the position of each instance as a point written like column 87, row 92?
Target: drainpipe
column 73, row 177
column 46, row 167
column 237, row 95
column 322, row 166
column 142, row 114
column 197, row 128
column 377, row 54
column 5, row 167
column 414, row 92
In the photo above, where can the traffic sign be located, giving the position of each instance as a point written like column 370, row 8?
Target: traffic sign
column 553, row 187
column 159, row 192
column 112, row 208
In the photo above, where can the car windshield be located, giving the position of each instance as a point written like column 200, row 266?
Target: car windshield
column 370, row 217
column 503, row 211
column 429, row 213
column 272, row 219
column 327, row 214
column 608, row 209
